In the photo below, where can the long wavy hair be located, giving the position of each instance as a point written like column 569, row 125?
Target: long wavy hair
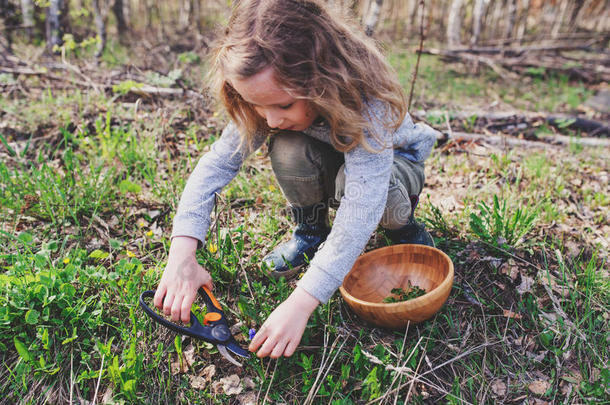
column 317, row 55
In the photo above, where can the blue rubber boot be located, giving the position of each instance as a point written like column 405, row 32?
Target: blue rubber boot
column 413, row 232
column 312, row 228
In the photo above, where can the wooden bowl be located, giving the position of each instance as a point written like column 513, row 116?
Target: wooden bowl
column 376, row 273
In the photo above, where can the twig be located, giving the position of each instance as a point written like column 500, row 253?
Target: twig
column 322, row 364
column 328, row 367
column 271, row 381
column 99, row 378
column 421, row 47
column 71, row 375
column 402, row 349
column 401, row 370
column 466, row 353
column 259, row 391
column 414, row 377
column 422, row 380
column 561, row 312
column 408, row 372
column 545, row 142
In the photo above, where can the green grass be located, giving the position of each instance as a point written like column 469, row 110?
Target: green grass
column 87, row 204
column 454, row 87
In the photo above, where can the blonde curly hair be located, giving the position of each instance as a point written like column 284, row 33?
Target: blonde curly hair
column 316, row 55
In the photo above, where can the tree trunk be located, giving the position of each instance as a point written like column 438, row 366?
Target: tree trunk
column 27, row 11
column 195, row 16
column 522, row 26
column 53, row 27
column 413, row 7
column 563, row 7
column 121, row 24
column 510, row 20
column 184, row 14
column 477, row 20
column 496, row 18
column 454, row 24
column 373, row 17
column 575, row 12
column 100, row 27
column 8, row 22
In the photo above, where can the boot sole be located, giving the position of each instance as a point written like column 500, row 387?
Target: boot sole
column 288, row 274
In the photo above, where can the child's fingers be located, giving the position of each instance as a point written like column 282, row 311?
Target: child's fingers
column 291, row 347
column 259, row 338
column 159, row 294
column 176, row 306
column 267, row 347
column 278, row 350
column 187, row 302
column 167, row 302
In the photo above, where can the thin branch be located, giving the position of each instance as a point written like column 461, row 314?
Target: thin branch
column 419, row 52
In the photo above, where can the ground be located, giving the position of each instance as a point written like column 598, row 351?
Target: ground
column 92, row 169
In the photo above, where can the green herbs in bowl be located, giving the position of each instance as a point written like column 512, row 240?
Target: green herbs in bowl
column 400, row 294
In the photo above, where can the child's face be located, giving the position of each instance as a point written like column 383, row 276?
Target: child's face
column 280, row 109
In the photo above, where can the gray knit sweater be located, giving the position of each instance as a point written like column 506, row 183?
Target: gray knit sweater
column 367, row 176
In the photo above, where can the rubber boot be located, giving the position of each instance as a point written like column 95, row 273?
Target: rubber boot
column 413, row 232
column 311, row 230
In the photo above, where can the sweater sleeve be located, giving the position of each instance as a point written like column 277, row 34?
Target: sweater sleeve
column 367, row 177
column 214, row 170
column 415, row 141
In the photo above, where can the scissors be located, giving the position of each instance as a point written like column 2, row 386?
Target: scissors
column 214, row 329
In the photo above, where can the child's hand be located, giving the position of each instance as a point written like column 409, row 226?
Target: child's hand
column 282, row 331
column 181, row 279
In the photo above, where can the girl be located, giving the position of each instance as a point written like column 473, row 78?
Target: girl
column 340, row 135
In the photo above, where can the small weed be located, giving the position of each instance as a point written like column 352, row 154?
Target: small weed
column 499, row 226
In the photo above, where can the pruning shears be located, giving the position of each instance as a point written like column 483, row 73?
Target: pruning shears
column 214, row 330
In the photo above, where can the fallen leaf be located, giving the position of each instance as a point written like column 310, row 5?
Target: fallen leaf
column 181, row 366
column 236, row 328
column 473, row 256
column 511, row 314
column 539, row 387
column 496, row 262
column 107, row 398
column 573, row 377
column 551, row 281
column 498, row 387
column 208, row 372
column 216, row 387
column 178, row 367
column 536, row 357
column 153, row 213
column 248, row 398
column 249, row 383
column 566, row 388
column 510, row 268
column 526, row 285
column 197, row 382
column 189, row 355
column 231, row 385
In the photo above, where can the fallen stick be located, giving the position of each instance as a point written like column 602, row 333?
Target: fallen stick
column 507, row 140
column 143, row 91
column 591, row 70
column 592, row 127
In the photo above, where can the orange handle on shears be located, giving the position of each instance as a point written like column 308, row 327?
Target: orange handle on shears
column 212, row 298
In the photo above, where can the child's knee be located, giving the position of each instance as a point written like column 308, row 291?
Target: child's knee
column 293, row 154
column 398, row 208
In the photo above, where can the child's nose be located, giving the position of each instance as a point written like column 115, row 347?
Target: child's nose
column 274, row 119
